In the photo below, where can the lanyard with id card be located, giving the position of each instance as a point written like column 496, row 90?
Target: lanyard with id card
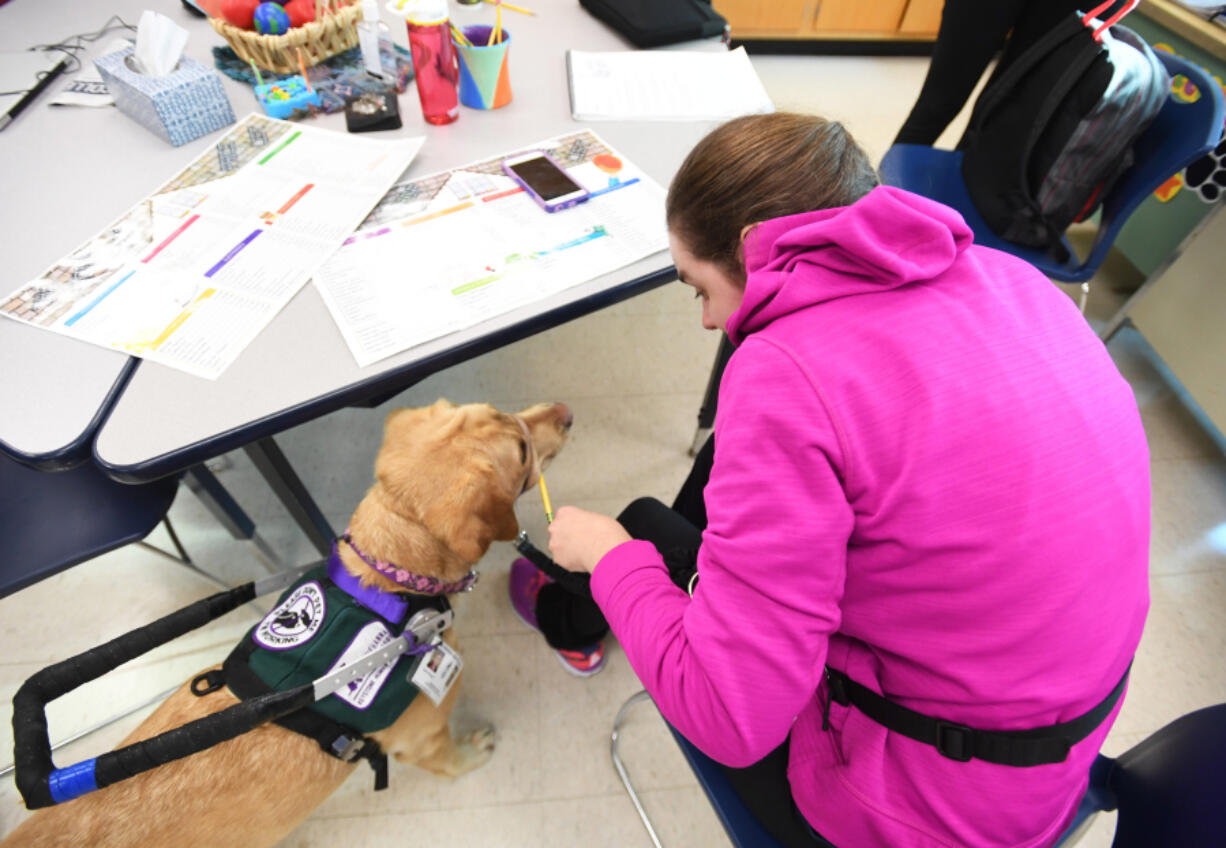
column 437, row 671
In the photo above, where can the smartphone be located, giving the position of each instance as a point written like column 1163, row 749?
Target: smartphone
column 544, row 180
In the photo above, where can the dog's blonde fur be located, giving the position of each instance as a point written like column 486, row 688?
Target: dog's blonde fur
column 446, row 479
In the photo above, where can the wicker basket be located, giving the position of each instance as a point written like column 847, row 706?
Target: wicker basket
column 333, row 31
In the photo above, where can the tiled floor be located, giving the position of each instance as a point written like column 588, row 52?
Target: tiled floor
column 634, row 375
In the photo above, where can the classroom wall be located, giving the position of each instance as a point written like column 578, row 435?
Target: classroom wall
column 1159, row 224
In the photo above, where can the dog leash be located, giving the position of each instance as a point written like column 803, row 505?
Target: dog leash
column 42, row 784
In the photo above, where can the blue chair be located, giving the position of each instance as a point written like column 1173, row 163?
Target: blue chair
column 744, row 831
column 1180, row 134
column 53, row 520
column 1168, row 790
column 742, row 828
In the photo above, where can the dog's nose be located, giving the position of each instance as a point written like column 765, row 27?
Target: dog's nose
column 568, row 417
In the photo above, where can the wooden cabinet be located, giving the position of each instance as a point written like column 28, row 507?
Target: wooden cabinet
column 754, row 16
column 847, row 20
column 922, row 18
column 858, row 17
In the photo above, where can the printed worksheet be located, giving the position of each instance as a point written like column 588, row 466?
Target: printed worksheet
column 194, row 272
column 445, row 252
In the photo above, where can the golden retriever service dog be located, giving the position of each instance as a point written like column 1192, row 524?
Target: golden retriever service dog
column 446, row 479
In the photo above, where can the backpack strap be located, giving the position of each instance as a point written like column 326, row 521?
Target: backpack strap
column 1002, row 87
column 1111, row 21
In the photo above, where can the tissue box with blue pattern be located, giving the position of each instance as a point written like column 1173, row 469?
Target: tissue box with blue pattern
column 185, row 104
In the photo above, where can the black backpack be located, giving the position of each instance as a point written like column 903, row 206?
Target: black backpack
column 1053, row 132
column 654, row 23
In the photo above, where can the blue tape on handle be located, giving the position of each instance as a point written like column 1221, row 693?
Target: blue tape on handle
column 73, row 782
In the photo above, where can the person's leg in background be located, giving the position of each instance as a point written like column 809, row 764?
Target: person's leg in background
column 970, row 34
column 689, row 501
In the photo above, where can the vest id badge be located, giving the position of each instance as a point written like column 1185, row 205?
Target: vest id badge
column 437, row 672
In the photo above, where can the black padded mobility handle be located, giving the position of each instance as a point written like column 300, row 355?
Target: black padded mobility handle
column 32, row 745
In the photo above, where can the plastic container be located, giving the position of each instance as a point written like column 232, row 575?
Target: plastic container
column 434, row 59
column 282, row 98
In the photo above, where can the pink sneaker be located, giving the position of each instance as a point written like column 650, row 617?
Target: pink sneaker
column 584, row 662
column 525, row 584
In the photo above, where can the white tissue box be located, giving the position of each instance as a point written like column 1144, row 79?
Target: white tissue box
column 185, row 104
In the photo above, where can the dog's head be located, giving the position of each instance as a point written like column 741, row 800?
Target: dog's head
column 457, row 470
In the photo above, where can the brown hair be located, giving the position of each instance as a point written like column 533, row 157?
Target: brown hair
column 759, row 167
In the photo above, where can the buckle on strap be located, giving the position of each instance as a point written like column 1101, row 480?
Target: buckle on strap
column 955, row 741
column 346, row 748
column 836, row 684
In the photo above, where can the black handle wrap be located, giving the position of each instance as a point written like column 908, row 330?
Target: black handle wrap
column 32, row 743
column 202, row 733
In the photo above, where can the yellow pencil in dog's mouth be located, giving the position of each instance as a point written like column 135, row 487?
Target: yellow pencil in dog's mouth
column 545, row 500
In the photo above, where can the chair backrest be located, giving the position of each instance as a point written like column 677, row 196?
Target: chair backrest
column 52, row 520
column 1171, row 788
column 1181, row 133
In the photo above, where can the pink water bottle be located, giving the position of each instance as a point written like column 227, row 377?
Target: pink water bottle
column 434, row 60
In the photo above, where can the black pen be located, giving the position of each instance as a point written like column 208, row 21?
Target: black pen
column 29, row 96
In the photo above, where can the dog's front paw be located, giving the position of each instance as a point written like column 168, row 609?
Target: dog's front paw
column 473, row 750
column 482, row 739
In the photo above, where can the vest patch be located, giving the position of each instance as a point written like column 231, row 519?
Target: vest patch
column 362, row 692
column 295, row 620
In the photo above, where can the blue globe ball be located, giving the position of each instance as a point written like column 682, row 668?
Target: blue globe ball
column 270, row 19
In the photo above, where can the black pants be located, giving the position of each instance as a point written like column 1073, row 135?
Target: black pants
column 572, row 620
column 971, row 32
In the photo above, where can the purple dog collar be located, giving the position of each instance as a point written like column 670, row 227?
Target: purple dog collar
column 413, row 582
column 391, row 607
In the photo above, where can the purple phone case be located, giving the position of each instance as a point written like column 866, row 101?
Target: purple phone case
column 540, row 201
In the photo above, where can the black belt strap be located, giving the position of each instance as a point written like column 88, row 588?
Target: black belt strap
column 1041, row 746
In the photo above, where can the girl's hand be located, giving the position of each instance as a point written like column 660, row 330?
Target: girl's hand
column 579, row 539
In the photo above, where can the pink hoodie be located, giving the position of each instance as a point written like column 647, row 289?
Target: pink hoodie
column 928, row 474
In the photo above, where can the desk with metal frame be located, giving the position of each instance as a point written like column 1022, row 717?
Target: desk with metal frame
column 298, row 369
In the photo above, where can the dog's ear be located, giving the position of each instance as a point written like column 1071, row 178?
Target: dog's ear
column 492, row 517
column 469, row 530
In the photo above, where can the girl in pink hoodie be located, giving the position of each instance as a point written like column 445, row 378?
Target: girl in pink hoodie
column 929, row 499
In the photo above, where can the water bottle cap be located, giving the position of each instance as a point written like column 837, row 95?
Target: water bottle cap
column 421, row 12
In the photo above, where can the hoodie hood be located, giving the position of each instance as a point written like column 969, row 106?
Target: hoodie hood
column 885, row 240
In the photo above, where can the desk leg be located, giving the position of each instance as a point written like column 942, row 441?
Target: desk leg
column 710, row 400
column 221, row 504
column 284, row 480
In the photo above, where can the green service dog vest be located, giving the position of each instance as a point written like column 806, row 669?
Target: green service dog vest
column 324, row 621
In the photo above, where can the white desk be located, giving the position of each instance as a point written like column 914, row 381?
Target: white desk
column 299, row 367
column 63, row 179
